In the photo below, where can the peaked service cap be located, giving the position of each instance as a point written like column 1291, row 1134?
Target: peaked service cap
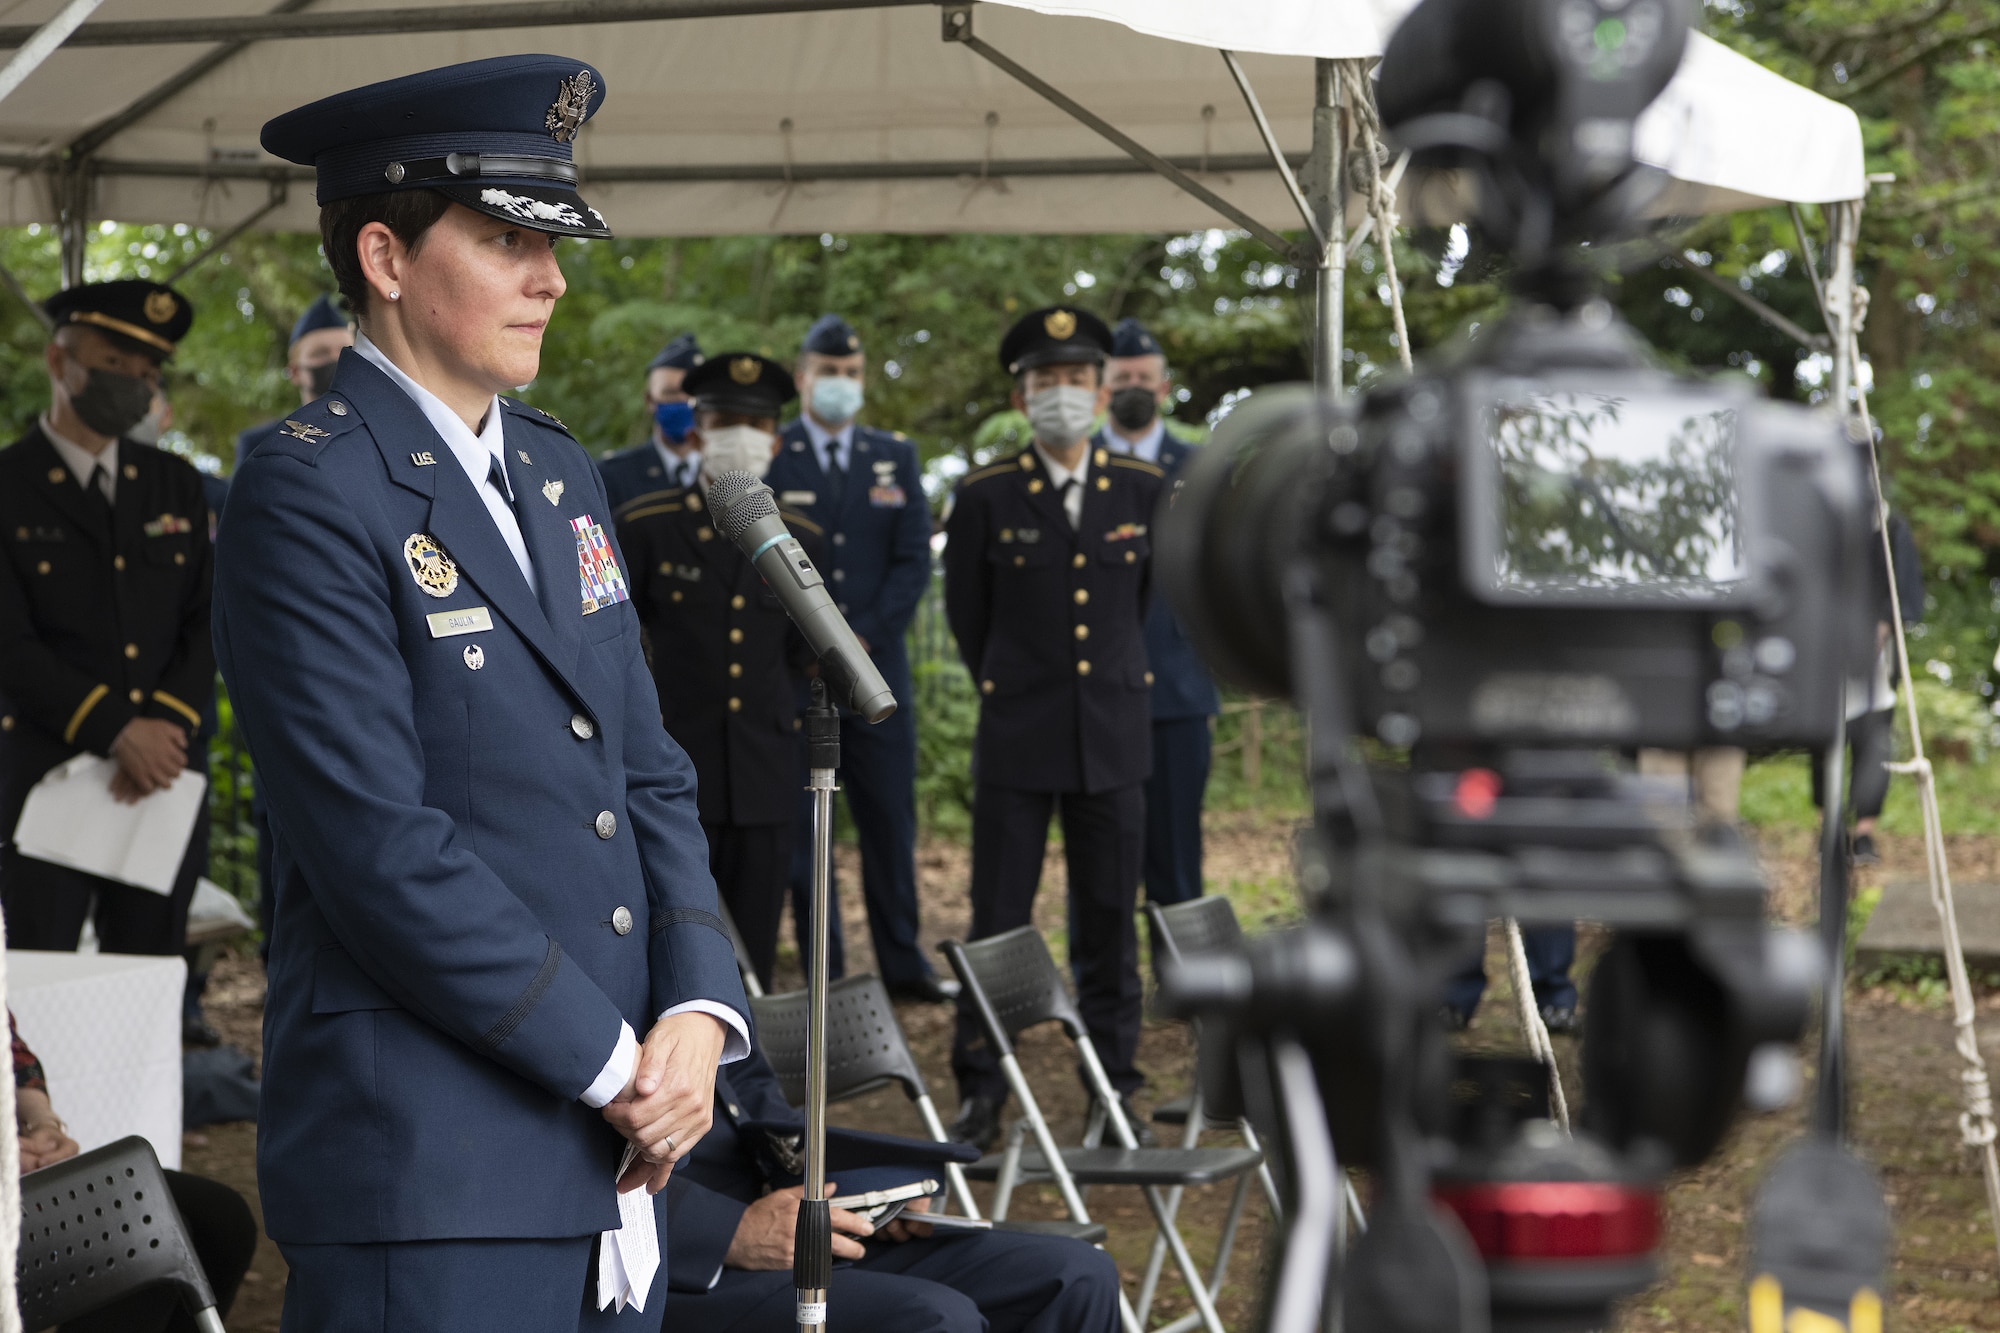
column 1055, row 335
column 1129, row 338
column 740, row 382
column 682, row 353
column 831, row 335
column 149, row 313
column 321, row 314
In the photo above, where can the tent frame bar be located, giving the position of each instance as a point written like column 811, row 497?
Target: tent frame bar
column 284, row 24
column 1270, row 138
column 1819, row 342
column 279, row 190
column 958, row 28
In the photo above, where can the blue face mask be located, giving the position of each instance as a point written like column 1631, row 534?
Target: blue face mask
column 835, row 399
column 673, row 419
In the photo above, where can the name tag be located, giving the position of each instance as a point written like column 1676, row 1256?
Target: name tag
column 798, row 497
column 468, row 620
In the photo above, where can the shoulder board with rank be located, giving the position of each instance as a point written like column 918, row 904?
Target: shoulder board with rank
column 1140, row 465
column 800, row 523
column 529, row 412
column 304, row 434
column 996, row 470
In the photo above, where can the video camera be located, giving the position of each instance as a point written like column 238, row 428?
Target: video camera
column 1486, row 586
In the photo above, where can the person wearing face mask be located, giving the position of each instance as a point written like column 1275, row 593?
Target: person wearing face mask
column 726, row 660
column 664, row 460
column 104, row 608
column 865, row 488
column 1047, row 574
column 1184, row 698
column 319, row 336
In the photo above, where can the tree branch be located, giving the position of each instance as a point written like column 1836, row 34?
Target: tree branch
column 1916, row 55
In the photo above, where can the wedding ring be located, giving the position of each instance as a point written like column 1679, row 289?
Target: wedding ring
column 670, row 1145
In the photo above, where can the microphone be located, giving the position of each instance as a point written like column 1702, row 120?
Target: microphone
column 747, row 515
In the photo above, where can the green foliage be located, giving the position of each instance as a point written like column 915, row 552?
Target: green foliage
column 1777, row 794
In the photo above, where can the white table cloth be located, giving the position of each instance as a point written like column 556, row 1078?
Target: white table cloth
column 108, row 1030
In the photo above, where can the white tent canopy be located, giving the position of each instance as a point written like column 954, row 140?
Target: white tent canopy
column 837, row 116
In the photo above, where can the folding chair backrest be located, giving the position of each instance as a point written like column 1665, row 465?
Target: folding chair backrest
column 1021, row 982
column 98, row 1227
column 751, row 985
column 865, row 1049
column 1199, row 924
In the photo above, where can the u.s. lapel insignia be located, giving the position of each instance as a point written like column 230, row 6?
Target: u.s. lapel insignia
column 571, row 105
column 430, row 566
column 300, row 430
column 551, row 490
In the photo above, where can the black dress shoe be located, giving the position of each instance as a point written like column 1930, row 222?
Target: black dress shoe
column 977, row 1123
column 930, row 990
column 1559, row 1019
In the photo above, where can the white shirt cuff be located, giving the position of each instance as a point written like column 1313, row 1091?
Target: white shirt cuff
column 617, row 1071
column 737, row 1044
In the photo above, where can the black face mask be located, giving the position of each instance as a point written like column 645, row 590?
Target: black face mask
column 1134, row 408
column 110, row 403
column 320, row 378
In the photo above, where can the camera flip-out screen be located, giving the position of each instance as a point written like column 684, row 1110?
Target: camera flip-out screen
column 1599, row 494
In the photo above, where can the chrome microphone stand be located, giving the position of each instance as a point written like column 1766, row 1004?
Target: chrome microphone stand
column 812, row 1240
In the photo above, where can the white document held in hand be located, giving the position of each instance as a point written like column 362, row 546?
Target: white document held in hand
column 72, row 819
column 628, row 1258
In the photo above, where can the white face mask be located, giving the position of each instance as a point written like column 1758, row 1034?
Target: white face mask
column 1062, row 415
column 736, row 449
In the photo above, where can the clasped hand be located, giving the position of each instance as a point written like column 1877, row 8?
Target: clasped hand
column 151, row 752
column 765, row 1235
column 670, row 1100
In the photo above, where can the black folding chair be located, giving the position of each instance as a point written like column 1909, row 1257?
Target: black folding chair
column 865, row 1051
column 1014, row 984
column 751, row 986
column 99, row 1227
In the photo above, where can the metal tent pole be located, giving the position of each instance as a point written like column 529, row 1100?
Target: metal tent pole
column 1325, row 186
column 812, row 1240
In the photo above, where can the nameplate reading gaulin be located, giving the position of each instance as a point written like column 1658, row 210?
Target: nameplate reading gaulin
column 466, row 620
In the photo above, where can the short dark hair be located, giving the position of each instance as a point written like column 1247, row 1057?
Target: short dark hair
column 408, row 214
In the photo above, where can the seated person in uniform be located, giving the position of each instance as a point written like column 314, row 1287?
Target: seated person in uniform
column 732, row 1204
column 219, row 1223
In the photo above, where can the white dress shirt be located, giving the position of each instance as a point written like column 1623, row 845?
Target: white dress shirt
column 1147, row 446
column 675, row 462
column 1060, row 476
column 823, row 441
column 476, row 453
column 82, row 463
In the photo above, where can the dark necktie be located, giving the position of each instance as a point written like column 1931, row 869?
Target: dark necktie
column 100, row 488
column 496, row 477
column 685, row 477
column 836, row 474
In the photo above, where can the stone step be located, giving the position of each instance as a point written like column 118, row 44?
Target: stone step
column 1905, row 922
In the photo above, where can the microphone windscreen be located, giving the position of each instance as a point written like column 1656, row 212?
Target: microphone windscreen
column 738, row 499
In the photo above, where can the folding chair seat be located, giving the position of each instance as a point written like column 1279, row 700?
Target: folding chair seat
column 866, row 1051
column 1014, row 984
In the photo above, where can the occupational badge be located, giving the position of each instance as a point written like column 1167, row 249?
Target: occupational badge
column 551, row 490
column 571, row 105
column 597, row 567
column 522, row 454
column 745, row 370
column 430, row 566
column 1059, row 323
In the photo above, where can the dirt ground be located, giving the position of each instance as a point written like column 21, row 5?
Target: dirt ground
column 1905, row 1108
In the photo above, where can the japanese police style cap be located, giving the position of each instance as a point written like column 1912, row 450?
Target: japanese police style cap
column 153, row 315
column 740, row 382
column 1058, row 335
column 495, row 135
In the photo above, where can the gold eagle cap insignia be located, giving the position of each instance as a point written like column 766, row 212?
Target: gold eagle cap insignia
column 430, row 566
column 161, row 307
column 1060, row 323
column 745, row 370
column 572, row 104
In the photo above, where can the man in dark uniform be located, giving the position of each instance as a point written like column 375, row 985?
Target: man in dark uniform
column 665, row 461
column 725, row 657
column 863, row 486
column 104, row 606
column 1184, row 698
column 1047, row 575
column 318, row 338
column 731, row 1208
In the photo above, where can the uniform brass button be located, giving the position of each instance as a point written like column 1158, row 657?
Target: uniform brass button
column 42, row 567
column 118, row 562
column 674, row 596
column 337, row 407
column 131, row 652
column 1083, row 668
column 7, row 722
column 131, row 472
column 986, row 687
column 1083, row 631
column 1149, row 678
column 736, row 636
column 694, row 506
column 736, row 602
column 56, row 475
column 1104, row 483
column 1077, row 560
column 1130, row 556
column 606, row 825
column 735, row 669
column 840, row 539
column 621, row 920
column 137, row 696
column 666, row 568
column 582, row 727
column 180, row 557
column 735, row 704
column 1082, row 596
column 704, row 534
column 1020, row 560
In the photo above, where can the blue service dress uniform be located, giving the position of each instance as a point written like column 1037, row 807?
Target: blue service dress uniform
column 727, row 661
column 631, row 473
column 488, row 856
column 878, row 534
column 1184, row 699
column 1050, row 620
column 954, row 1282
column 104, row 617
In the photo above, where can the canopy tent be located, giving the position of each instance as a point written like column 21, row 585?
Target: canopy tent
column 758, row 116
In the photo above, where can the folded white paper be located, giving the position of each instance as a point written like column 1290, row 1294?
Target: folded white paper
column 628, row 1258
column 72, row 819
